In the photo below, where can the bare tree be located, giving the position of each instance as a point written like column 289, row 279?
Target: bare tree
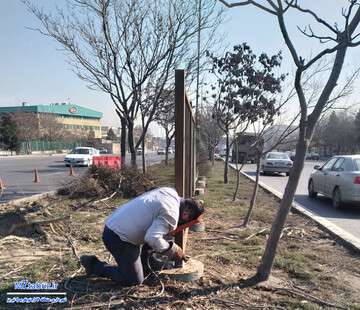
column 336, row 134
column 27, row 126
column 239, row 132
column 268, row 135
column 357, row 127
column 111, row 135
column 339, row 39
column 209, row 130
column 116, row 46
column 262, row 135
column 166, row 119
column 50, row 128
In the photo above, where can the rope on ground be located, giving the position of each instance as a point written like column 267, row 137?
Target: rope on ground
column 156, row 274
column 158, row 277
column 115, row 299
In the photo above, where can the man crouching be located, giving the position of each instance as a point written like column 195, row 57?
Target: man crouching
column 136, row 228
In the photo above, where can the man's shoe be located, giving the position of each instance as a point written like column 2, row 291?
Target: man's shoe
column 89, row 262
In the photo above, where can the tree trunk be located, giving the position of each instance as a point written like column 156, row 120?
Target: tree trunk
column 213, row 157
column 267, row 261
column 167, row 145
column 28, row 147
column 123, row 140
column 209, row 151
column 226, row 168
column 306, row 129
column 254, row 194
column 237, row 170
column 143, row 145
column 143, row 155
column 131, row 143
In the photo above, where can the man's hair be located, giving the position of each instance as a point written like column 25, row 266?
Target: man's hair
column 196, row 207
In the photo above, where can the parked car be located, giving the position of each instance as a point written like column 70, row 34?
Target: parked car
column 103, row 151
column 339, row 179
column 276, row 162
column 81, row 156
column 312, row 156
column 291, row 155
column 217, row 156
column 161, row 151
column 139, row 151
column 223, row 151
column 171, row 151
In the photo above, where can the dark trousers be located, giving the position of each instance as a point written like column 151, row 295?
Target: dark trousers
column 130, row 260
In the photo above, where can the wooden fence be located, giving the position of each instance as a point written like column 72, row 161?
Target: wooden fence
column 185, row 147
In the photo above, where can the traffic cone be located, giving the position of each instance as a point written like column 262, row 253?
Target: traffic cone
column 71, row 172
column 36, row 176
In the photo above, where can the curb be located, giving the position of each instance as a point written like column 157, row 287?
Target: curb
column 29, row 199
column 338, row 233
column 31, row 156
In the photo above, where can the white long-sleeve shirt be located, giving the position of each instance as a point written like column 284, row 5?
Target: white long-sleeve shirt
column 147, row 218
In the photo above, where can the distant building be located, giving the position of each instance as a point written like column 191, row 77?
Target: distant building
column 246, row 147
column 287, row 135
column 71, row 116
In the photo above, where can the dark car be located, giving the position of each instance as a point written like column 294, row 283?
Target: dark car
column 103, row 151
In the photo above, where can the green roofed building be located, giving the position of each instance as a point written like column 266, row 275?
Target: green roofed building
column 73, row 117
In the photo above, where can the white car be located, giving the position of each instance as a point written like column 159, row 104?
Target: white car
column 81, row 156
column 139, row 151
column 217, row 156
column 276, row 162
column 339, row 179
column 161, row 151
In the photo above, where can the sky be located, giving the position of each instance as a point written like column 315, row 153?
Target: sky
column 33, row 69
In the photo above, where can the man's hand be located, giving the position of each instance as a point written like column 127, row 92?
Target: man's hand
column 175, row 252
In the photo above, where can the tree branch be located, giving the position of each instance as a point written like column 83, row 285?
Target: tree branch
column 248, row 2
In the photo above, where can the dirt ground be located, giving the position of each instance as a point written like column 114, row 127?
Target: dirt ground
column 311, row 271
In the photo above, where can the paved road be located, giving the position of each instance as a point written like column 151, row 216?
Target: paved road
column 347, row 219
column 17, row 173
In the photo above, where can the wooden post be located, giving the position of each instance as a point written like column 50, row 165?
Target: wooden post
column 179, row 131
column 184, row 148
column 189, row 152
column 180, row 144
